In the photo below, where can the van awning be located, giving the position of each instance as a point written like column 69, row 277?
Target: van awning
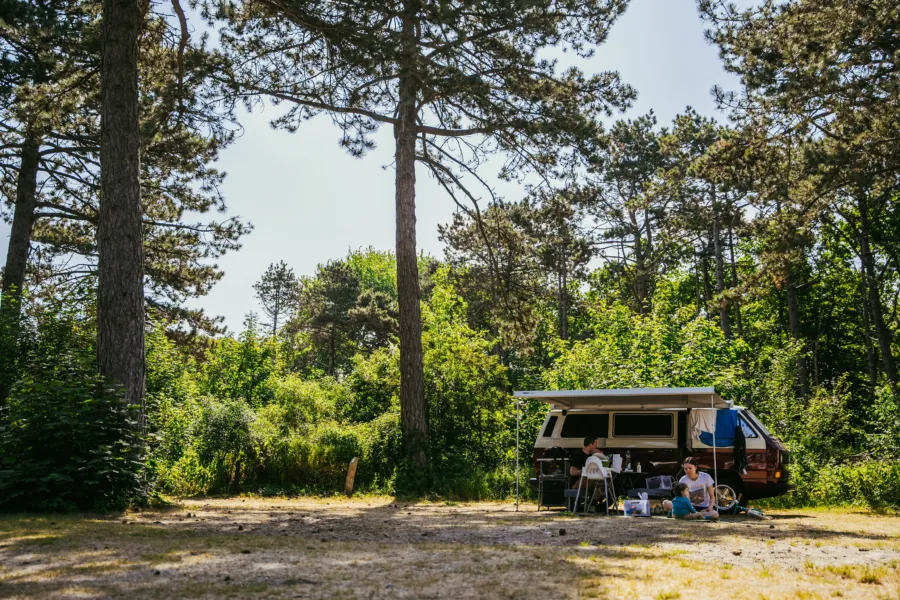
column 638, row 398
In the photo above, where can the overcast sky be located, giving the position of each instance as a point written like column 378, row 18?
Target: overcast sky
column 309, row 201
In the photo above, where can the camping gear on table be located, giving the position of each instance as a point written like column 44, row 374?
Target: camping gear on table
column 616, row 462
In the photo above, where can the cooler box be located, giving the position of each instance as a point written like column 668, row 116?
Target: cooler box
column 637, row 508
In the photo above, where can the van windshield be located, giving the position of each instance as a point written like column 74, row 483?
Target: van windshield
column 752, row 418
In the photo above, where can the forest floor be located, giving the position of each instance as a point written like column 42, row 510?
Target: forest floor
column 382, row 548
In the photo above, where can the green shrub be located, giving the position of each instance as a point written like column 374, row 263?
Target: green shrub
column 68, row 441
column 871, row 483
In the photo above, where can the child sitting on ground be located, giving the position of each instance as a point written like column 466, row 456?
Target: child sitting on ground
column 681, row 505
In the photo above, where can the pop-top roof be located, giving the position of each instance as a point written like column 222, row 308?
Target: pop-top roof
column 639, row 398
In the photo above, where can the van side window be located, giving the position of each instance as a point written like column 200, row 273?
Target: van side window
column 642, row 425
column 548, row 430
column 748, row 431
column 581, row 426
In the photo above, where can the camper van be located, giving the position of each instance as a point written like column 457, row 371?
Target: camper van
column 659, row 428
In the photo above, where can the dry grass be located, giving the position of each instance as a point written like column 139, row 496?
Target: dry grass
column 378, row 548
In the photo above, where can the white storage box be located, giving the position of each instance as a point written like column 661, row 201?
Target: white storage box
column 637, row 508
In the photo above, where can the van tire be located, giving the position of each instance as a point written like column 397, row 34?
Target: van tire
column 732, row 488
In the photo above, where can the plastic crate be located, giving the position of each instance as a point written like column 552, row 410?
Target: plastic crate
column 660, row 482
column 637, row 508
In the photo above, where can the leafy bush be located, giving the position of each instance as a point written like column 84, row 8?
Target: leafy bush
column 205, row 446
column 871, row 483
column 68, row 441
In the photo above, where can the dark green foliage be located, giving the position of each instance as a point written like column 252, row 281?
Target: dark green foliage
column 69, row 441
column 348, row 308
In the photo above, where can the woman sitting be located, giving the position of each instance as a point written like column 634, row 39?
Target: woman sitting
column 700, row 489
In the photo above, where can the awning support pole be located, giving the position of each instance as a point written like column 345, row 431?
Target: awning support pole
column 517, row 454
column 715, row 499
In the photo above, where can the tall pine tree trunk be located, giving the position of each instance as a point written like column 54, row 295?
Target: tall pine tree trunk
column 120, row 293
column 871, row 358
column 793, row 308
column 734, row 281
column 412, row 378
column 331, row 351
column 563, row 299
column 868, row 263
column 22, row 225
column 641, row 286
column 704, row 275
column 720, row 268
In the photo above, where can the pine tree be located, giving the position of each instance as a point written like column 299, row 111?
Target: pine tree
column 183, row 129
column 631, row 214
column 455, row 80
column 120, row 264
column 823, row 76
column 278, row 293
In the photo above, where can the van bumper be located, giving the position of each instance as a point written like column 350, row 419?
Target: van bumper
column 772, row 490
column 781, row 488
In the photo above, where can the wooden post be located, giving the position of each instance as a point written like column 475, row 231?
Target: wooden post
column 351, row 475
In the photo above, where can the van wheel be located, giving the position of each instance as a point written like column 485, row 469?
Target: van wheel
column 727, row 493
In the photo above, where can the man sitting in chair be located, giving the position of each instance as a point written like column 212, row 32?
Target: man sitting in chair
column 577, row 460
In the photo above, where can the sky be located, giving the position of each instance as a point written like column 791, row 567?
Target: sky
column 309, row 201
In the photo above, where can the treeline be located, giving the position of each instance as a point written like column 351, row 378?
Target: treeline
column 756, row 252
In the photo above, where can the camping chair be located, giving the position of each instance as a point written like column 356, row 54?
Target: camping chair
column 594, row 471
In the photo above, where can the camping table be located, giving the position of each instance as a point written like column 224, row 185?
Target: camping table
column 625, row 480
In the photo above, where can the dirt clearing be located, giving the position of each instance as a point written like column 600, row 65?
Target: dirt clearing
column 382, row 548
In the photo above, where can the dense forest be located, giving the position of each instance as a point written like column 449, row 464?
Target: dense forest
column 755, row 249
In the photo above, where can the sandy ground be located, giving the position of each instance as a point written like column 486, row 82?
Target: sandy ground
column 381, row 548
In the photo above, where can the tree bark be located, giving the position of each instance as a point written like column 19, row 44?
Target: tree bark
column 120, row 293
column 871, row 358
column 563, row 300
column 704, row 274
column 641, row 286
column 331, row 351
column 735, row 282
column 22, row 225
column 720, row 268
column 874, row 289
column 412, row 378
column 793, row 307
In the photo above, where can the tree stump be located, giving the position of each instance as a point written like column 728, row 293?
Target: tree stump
column 351, row 475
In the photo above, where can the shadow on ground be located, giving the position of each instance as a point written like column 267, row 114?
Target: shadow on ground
column 383, row 548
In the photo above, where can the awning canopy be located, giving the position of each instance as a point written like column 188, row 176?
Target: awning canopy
column 639, row 398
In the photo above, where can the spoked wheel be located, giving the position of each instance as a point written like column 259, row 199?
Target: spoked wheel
column 726, row 497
